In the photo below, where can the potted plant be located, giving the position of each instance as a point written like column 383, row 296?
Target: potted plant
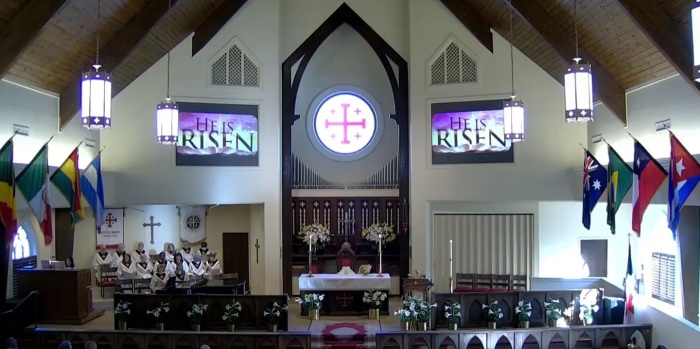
column 493, row 313
column 196, row 314
column 121, row 313
column 274, row 315
column 524, row 311
column 453, row 313
column 553, row 312
column 231, row 312
column 586, row 313
column 405, row 317
column 159, row 313
column 421, row 311
column 312, row 303
column 374, row 300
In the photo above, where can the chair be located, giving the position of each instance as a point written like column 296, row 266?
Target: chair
column 500, row 282
column 345, row 256
column 483, row 282
column 464, row 282
column 142, row 285
column 124, row 285
column 518, row 283
column 108, row 277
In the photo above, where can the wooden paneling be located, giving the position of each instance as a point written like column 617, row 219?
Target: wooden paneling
column 471, row 19
column 210, row 26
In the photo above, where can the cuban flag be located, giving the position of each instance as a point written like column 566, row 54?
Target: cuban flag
column 684, row 175
column 91, row 187
column 648, row 176
column 595, row 180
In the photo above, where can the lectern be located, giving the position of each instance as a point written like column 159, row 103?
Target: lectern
column 64, row 295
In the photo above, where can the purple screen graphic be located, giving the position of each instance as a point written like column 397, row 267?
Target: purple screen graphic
column 469, row 132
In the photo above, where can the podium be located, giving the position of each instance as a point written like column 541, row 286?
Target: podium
column 64, row 295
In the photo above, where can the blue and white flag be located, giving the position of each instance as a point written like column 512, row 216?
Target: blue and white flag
column 91, row 186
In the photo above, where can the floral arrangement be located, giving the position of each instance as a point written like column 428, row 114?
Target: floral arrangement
column 196, row 314
column 159, row 311
column 523, row 311
column 231, row 312
column 310, row 301
column 318, row 234
column 453, row 312
column 274, row 313
column 404, row 314
column 377, row 230
column 552, row 310
column 586, row 312
column 121, row 311
column 374, row 299
column 493, row 312
column 420, row 309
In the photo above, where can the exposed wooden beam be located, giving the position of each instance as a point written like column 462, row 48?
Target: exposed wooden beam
column 472, row 20
column 208, row 29
column 663, row 31
column 23, row 29
column 606, row 88
column 112, row 54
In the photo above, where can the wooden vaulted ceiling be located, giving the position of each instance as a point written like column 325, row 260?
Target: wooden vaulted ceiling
column 628, row 42
column 48, row 43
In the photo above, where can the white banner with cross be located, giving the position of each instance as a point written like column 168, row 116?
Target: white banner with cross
column 112, row 230
column 193, row 224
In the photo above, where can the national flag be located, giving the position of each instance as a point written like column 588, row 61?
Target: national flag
column 684, row 175
column 33, row 182
column 8, row 208
column 620, row 177
column 91, row 186
column 628, row 285
column 67, row 180
column 595, row 180
column 648, row 176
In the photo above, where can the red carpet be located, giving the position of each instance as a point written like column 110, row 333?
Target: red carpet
column 343, row 335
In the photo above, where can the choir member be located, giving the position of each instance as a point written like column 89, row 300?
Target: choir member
column 144, row 268
column 213, row 263
column 160, row 278
column 138, row 252
column 180, row 274
column 163, row 260
column 179, row 260
column 101, row 258
column 186, row 252
column 169, row 250
column 118, row 255
column 126, row 269
column 70, row 264
column 203, row 249
column 198, row 267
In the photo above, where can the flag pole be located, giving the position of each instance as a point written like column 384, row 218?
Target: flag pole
column 13, row 135
column 47, row 142
column 584, row 148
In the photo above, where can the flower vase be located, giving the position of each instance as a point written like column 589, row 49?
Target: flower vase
column 272, row 328
column 373, row 314
column 160, row 326
column 524, row 324
column 491, row 325
column 406, row 325
column 122, row 326
column 453, row 326
column 421, row 326
column 552, row 323
column 196, row 327
column 314, row 314
column 231, row 328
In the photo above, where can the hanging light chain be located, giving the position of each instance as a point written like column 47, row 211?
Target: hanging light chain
column 576, row 29
column 97, row 35
column 167, row 94
column 512, row 73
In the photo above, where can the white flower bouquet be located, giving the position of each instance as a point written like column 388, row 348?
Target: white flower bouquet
column 586, row 311
column 159, row 311
column 231, row 312
column 523, row 311
column 318, row 234
column 196, row 314
column 493, row 311
column 310, row 301
column 374, row 299
column 552, row 311
column 376, row 231
column 404, row 315
column 453, row 312
column 122, row 311
column 274, row 313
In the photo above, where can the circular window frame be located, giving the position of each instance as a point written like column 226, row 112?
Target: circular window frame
column 359, row 93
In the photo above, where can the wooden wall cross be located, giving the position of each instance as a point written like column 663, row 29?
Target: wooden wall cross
column 257, row 250
column 152, row 225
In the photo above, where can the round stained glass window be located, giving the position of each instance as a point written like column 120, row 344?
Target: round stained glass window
column 345, row 123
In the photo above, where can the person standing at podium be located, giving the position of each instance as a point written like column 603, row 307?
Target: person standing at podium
column 101, row 259
column 70, row 264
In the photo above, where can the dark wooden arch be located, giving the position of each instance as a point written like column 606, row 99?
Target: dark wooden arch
column 290, row 88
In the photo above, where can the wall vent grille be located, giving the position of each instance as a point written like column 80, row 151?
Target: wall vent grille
column 452, row 65
column 235, row 68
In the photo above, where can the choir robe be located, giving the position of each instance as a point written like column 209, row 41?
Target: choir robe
column 198, row 269
column 158, row 282
column 136, row 255
column 144, row 272
column 213, row 266
column 123, row 269
column 202, row 252
column 169, row 266
column 169, row 257
column 117, row 257
column 181, row 277
column 188, row 256
column 99, row 260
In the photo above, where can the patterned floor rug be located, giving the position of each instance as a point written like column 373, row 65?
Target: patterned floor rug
column 343, row 335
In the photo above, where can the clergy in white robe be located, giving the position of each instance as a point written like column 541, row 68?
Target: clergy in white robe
column 179, row 260
column 118, row 255
column 169, row 250
column 197, row 267
column 126, row 269
column 101, row 258
column 203, row 249
column 159, row 279
column 138, row 252
column 213, row 266
column 144, row 269
column 186, row 252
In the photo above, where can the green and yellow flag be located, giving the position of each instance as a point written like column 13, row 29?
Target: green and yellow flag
column 8, row 209
column 620, row 178
column 67, row 180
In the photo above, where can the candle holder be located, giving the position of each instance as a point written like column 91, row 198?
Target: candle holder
column 451, row 285
column 310, row 274
column 380, row 261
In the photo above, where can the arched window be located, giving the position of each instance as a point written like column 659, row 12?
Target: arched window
column 23, row 245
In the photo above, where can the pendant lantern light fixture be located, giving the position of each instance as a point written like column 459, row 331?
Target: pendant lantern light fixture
column 167, row 114
column 513, row 109
column 695, row 18
column 96, row 92
column 578, row 87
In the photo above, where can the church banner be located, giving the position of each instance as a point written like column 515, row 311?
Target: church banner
column 193, row 224
column 469, row 132
column 217, row 135
column 111, row 232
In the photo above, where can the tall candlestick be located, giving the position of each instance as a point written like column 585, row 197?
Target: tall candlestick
column 451, row 288
column 380, row 256
column 310, row 253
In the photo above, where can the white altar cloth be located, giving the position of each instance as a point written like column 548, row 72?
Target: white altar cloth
column 335, row 282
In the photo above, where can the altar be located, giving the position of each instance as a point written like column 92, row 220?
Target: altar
column 343, row 293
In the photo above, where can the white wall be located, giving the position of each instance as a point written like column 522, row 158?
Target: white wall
column 141, row 164
column 550, row 150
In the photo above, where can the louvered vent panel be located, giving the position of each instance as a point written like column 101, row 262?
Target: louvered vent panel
column 250, row 72
column 453, row 66
column 468, row 68
column 218, row 71
column 235, row 68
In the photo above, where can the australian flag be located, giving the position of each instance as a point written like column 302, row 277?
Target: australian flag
column 595, row 180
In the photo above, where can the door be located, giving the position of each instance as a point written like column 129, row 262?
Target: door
column 236, row 255
column 595, row 254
